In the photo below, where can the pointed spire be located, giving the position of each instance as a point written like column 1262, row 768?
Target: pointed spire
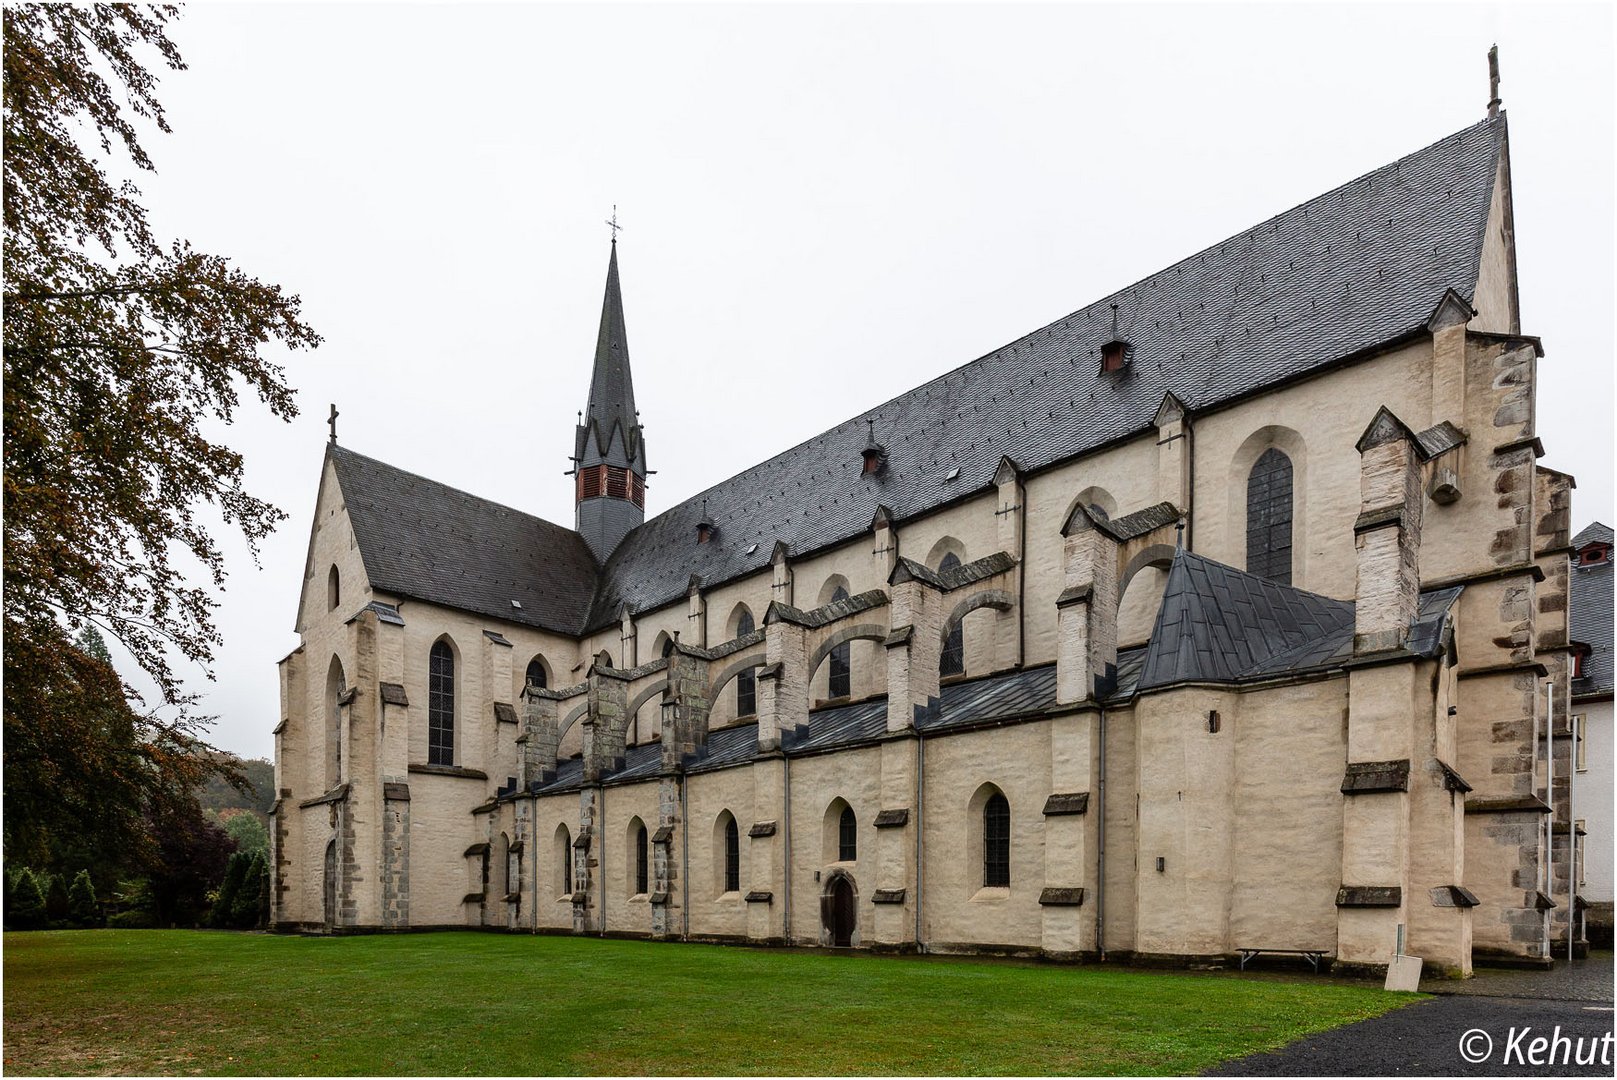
column 610, row 430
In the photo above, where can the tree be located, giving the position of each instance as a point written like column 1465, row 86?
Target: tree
column 117, row 347
column 224, row 904
column 248, row 832
column 244, row 909
column 82, row 908
column 56, row 904
column 190, row 863
column 27, row 908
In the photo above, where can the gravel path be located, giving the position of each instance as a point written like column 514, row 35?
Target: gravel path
column 1440, row 1037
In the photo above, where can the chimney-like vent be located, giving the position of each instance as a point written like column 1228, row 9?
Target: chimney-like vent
column 705, row 527
column 1114, row 355
column 875, row 454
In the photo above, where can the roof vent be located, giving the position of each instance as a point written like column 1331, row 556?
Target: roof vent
column 705, row 527
column 517, row 604
column 1114, row 355
column 953, row 474
column 875, row 454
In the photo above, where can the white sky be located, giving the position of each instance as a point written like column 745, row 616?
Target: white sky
column 823, row 206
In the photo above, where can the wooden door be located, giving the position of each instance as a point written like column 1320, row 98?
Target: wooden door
column 842, row 913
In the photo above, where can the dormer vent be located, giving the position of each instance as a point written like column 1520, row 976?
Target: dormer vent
column 1114, row 355
column 705, row 527
column 875, row 454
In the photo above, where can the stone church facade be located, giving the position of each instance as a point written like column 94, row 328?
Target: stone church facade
column 1216, row 615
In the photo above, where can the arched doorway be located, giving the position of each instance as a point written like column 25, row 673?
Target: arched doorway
column 839, row 911
column 330, row 912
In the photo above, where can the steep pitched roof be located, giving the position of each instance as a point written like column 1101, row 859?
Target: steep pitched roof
column 425, row 540
column 1340, row 275
column 1591, row 615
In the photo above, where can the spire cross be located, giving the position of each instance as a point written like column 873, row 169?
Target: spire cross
column 613, row 224
column 332, row 422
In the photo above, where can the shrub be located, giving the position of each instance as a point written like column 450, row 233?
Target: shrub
column 56, row 906
column 224, row 905
column 27, row 910
column 82, row 908
column 244, row 910
column 135, row 919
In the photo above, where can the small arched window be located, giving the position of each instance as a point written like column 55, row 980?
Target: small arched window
column 536, row 674
column 732, row 856
column 333, row 589
column 953, row 659
column 1268, row 517
column 564, row 859
column 747, row 681
column 441, row 705
column 847, row 836
column 841, row 659
column 642, row 860
column 996, row 842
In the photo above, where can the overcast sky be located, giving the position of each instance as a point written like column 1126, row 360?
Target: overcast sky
column 822, row 207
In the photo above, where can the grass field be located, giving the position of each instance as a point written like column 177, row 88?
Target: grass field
column 184, row 1002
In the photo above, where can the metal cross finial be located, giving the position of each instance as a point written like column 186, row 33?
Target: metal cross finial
column 332, row 421
column 613, row 224
column 1179, row 534
column 1493, row 82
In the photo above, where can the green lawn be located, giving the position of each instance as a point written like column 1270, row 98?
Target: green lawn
column 179, row 1002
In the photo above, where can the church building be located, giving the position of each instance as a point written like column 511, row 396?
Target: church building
column 1222, row 614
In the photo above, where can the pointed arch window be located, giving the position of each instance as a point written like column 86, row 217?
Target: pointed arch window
column 642, row 860
column 847, row 836
column 564, row 858
column 333, row 589
column 536, row 674
column 441, row 705
column 841, row 659
column 996, row 842
column 1268, row 517
column 732, row 856
column 952, row 661
column 747, row 681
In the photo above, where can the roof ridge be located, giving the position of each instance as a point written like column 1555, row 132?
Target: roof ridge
column 334, row 448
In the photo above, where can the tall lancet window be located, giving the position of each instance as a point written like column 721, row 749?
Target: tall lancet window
column 841, row 659
column 1268, row 517
column 953, row 660
column 747, row 681
column 441, row 705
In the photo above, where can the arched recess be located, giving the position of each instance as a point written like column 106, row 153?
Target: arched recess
column 656, row 689
column 953, row 629
column 443, row 695
column 832, row 585
column 336, row 684
column 1092, row 496
column 662, row 645
column 726, row 852
column 562, row 852
column 502, row 868
column 637, row 856
column 947, row 545
column 746, row 700
column 833, row 838
column 1295, row 448
column 979, row 843
column 1140, row 594
column 333, row 588
column 537, row 672
column 572, row 718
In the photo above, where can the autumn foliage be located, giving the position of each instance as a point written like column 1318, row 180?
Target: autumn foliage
column 119, row 346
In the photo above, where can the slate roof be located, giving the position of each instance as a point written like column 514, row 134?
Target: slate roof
column 1219, row 624
column 422, row 539
column 1339, row 276
column 1591, row 615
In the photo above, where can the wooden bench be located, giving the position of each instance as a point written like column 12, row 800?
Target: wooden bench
column 1313, row 956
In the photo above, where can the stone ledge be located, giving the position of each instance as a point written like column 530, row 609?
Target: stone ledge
column 449, row 770
column 348, row 696
column 336, row 794
column 394, row 791
column 1061, row 897
column 893, row 819
column 887, row 896
column 1506, row 804
column 1369, row 896
column 475, row 849
column 393, row 694
column 1061, row 803
column 1075, row 594
column 1453, row 896
column 504, row 713
column 1451, row 779
column 760, row 896
column 761, row 829
column 1374, row 777
column 663, row 834
column 472, row 898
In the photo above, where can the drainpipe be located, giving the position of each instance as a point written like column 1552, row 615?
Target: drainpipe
column 684, row 859
column 533, row 828
column 1100, row 845
column 1571, row 833
column 920, row 848
column 1549, row 819
column 600, row 856
column 786, row 844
